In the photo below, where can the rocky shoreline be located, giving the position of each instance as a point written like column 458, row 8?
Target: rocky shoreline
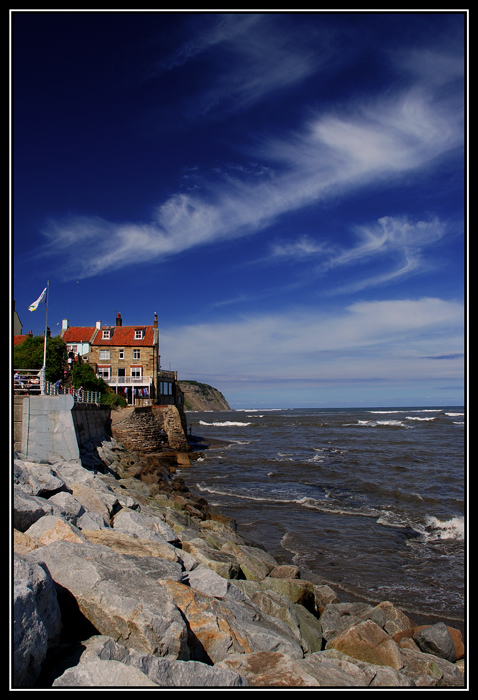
column 122, row 578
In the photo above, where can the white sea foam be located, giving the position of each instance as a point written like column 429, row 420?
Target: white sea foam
column 375, row 423
column 227, row 423
column 316, row 458
column 453, row 529
column 419, row 418
column 411, row 410
column 454, row 414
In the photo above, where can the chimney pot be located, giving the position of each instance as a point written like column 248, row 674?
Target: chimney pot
column 119, row 321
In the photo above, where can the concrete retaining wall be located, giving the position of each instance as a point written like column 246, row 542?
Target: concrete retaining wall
column 91, row 422
column 51, row 428
column 48, row 433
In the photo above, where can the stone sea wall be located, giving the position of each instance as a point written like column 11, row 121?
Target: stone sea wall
column 122, row 578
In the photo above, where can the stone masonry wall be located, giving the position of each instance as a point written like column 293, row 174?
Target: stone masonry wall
column 141, row 430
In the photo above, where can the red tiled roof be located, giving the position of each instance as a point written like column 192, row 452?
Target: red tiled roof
column 19, row 339
column 77, row 334
column 124, row 336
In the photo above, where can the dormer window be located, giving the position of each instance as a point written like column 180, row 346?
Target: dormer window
column 138, row 334
column 106, row 335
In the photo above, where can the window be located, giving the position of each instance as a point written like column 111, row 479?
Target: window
column 104, row 372
column 106, row 335
column 136, row 354
column 138, row 335
column 104, row 355
column 136, row 371
column 121, row 354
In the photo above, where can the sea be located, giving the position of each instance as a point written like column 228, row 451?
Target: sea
column 370, row 501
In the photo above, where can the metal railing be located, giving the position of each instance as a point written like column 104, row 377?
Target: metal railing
column 121, row 381
column 79, row 395
column 29, row 381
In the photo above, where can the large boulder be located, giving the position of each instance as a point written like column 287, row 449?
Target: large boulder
column 373, row 675
column 206, row 580
column 50, row 528
column 276, row 669
column 39, row 479
column 221, row 627
column 128, row 544
column 295, row 590
column 337, row 617
column 255, row 563
column 144, row 526
column 302, row 623
column 36, row 619
column 427, row 670
column 163, row 672
column 103, row 674
column 368, row 642
column 27, row 509
column 221, row 562
column 436, row 640
column 119, row 595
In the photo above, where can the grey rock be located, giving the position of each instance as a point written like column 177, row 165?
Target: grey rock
column 47, row 524
column 427, row 670
column 27, row 509
column 163, row 672
column 91, row 521
column 144, row 526
column 36, row 619
column 69, row 505
column 204, row 579
column 103, row 674
column 119, row 595
column 436, row 640
column 337, row 617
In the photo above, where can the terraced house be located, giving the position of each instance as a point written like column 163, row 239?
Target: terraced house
column 127, row 359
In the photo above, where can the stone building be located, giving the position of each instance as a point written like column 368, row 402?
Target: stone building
column 127, row 359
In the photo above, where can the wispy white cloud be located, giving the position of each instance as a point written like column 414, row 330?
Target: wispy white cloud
column 387, row 339
column 367, row 143
column 253, row 58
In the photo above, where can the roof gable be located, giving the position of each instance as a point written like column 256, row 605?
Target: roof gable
column 78, row 334
column 125, row 336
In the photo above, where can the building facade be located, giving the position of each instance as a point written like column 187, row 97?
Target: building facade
column 127, row 358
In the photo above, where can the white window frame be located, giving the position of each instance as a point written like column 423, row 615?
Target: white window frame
column 106, row 335
column 136, row 354
column 138, row 334
column 104, row 355
column 136, row 372
column 121, row 354
column 104, row 373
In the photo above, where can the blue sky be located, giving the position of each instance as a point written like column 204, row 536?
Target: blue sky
column 286, row 190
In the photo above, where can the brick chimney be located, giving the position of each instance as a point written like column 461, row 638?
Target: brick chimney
column 119, row 321
column 155, row 325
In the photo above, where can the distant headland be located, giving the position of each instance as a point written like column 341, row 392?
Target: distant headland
column 202, row 397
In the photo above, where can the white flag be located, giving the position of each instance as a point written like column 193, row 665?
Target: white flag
column 41, row 299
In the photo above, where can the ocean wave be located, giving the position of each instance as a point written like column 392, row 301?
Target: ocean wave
column 375, row 423
column 453, row 529
column 227, row 423
column 316, row 458
column 419, row 418
column 410, row 410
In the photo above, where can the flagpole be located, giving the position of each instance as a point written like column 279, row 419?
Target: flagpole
column 43, row 369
